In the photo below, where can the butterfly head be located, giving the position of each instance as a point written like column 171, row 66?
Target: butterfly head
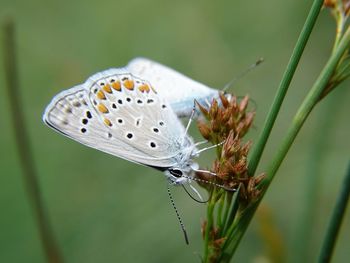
column 176, row 175
column 180, row 174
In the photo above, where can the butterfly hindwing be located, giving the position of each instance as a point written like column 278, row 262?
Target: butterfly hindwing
column 178, row 89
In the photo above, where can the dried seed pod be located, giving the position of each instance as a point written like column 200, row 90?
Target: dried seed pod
column 204, row 130
column 215, row 125
column 224, row 100
column 229, row 121
column 202, row 109
column 213, row 111
column 259, row 178
column 244, row 103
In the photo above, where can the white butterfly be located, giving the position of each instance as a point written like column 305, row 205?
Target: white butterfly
column 179, row 90
column 124, row 115
column 132, row 113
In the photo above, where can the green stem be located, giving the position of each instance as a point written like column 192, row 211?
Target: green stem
column 309, row 102
column 210, row 222
column 230, row 230
column 312, row 179
column 335, row 223
column 23, row 146
column 226, row 213
column 220, row 211
column 237, row 231
column 232, row 216
column 340, row 21
column 284, row 85
column 304, row 110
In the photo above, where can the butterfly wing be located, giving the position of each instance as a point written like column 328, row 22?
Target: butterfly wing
column 120, row 115
column 178, row 89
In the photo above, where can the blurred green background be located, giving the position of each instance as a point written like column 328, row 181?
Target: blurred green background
column 104, row 209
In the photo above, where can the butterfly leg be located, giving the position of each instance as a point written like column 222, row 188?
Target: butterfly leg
column 209, row 182
column 204, row 171
column 200, row 143
column 208, row 148
column 191, row 118
column 200, row 200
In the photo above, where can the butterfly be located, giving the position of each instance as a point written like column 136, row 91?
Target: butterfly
column 124, row 115
column 133, row 113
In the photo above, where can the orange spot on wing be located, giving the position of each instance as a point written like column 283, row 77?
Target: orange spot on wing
column 100, row 95
column 102, row 108
column 107, row 88
column 107, row 122
column 129, row 84
column 116, row 85
column 144, row 87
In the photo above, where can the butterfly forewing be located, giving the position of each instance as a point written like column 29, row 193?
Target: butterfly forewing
column 119, row 114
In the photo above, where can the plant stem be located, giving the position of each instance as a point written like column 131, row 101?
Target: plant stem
column 237, row 231
column 23, row 146
column 226, row 213
column 220, row 211
column 335, row 223
column 312, row 179
column 307, row 105
column 210, row 222
column 340, row 21
column 284, row 85
column 304, row 110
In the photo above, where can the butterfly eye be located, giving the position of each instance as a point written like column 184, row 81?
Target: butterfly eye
column 176, row 172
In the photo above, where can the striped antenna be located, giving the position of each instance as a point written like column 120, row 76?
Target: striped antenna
column 235, row 79
column 178, row 216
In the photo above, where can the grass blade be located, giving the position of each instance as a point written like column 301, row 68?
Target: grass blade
column 336, row 220
column 23, row 146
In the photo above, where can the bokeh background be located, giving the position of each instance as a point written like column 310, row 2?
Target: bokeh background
column 104, row 209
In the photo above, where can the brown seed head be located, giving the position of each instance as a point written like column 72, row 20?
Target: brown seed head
column 228, row 147
column 215, row 125
column 342, row 6
column 204, row 130
column 218, row 242
column 244, row 103
column 213, row 111
column 228, row 121
column 223, row 99
column 329, row 3
column 202, row 109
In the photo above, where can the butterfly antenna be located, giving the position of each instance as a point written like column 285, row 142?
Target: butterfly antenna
column 255, row 105
column 235, row 79
column 178, row 215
